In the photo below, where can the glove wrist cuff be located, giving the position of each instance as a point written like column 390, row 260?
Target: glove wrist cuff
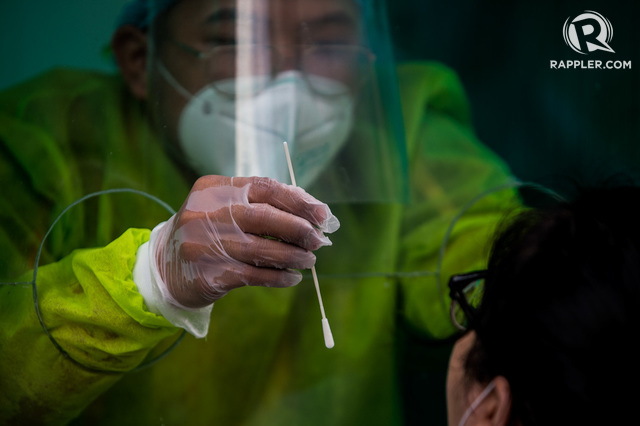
column 156, row 294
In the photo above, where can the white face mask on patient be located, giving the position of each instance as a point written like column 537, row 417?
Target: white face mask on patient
column 243, row 137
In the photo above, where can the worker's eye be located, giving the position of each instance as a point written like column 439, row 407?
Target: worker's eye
column 220, row 41
column 336, row 32
column 219, row 35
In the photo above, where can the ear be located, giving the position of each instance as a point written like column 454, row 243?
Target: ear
column 495, row 410
column 130, row 48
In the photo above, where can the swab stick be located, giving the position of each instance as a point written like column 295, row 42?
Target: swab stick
column 326, row 329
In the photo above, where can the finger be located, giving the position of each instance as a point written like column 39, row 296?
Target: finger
column 260, row 219
column 286, row 197
column 291, row 199
column 206, row 274
column 229, row 253
column 246, row 275
column 266, row 220
column 263, row 252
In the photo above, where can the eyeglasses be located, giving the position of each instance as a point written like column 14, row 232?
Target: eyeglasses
column 347, row 64
column 466, row 292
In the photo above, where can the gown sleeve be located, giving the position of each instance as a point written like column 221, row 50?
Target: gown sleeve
column 460, row 192
column 85, row 324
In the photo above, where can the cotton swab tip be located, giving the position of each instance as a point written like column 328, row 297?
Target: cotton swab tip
column 328, row 337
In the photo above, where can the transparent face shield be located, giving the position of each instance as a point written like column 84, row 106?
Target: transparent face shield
column 233, row 80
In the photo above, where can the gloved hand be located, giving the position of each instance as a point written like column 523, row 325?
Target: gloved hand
column 232, row 232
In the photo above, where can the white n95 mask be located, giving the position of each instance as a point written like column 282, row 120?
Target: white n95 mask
column 243, row 136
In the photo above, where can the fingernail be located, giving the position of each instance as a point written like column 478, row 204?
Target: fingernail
column 292, row 278
column 298, row 259
column 331, row 224
column 306, row 261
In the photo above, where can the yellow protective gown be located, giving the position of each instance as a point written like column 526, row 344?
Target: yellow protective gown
column 68, row 133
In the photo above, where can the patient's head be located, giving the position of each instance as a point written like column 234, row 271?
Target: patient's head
column 553, row 339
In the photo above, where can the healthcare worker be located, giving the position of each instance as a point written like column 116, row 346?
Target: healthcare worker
column 102, row 282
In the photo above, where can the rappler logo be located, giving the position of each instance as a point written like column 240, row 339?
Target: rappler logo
column 588, row 32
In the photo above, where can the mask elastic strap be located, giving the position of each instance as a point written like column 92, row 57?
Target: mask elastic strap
column 164, row 72
column 477, row 402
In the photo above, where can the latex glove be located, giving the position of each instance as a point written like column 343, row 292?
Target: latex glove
column 216, row 242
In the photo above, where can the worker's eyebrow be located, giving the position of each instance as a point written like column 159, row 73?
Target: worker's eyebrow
column 221, row 15
column 338, row 17
column 335, row 18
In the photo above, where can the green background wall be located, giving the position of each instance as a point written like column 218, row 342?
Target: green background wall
column 559, row 127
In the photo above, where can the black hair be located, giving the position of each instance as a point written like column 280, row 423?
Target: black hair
column 558, row 316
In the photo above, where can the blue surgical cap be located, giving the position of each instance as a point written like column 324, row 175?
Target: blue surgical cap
column 137, row 13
